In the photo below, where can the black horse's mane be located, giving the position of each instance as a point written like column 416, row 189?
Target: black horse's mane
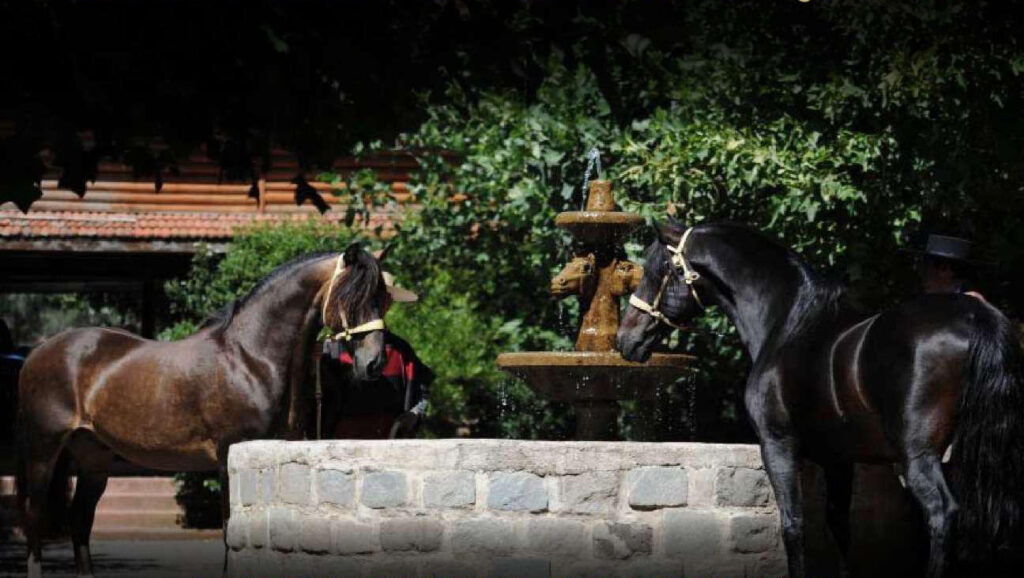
column 818, row 298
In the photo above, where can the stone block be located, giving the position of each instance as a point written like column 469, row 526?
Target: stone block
column 283, row 529
column 419, row 534
column 450, row 569
column 259, row 530
column 656, row 487
column 776, row 567
column 304, row 566
column 243, row 564
column 590, row 492
column 384, row 490
column 336, row 487
column 331, row 566
column 349, row 537
column 393, row 569
column 578, row 569
column 517, row 491
column 520, row 568
column 294, row 484
column 652, row 569
column 692, row 534
column 254, row 564
column 490, row 536
column 268, row 486
column 247, row 484
column 751, row 533
column 315, row 535
column 614, row 540
column 555, row 536
column 744, row 487
column 238, row 530
column 449, row 490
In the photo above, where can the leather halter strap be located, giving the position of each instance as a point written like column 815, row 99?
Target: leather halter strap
column 347, row 333
column 689, row 277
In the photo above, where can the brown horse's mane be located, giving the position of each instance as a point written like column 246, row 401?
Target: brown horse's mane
column 222, row 318
column 354, row 291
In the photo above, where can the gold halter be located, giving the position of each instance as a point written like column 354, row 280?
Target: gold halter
column 689, row 276
column 347, row 332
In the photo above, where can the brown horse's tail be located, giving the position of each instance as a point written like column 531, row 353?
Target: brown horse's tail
column 987, row 462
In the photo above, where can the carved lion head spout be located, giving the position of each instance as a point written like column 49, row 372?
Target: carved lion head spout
column 579, row 277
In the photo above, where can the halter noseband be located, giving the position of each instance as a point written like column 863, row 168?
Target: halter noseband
column 689, row 277
column 347, row 333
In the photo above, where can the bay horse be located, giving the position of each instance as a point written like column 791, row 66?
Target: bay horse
column 90, row 394
column 937, row 377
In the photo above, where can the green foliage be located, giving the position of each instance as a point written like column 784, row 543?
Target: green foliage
column 844, row 128
column 215, row 280
column 785, row 116
column 198, row 494
column 470, row 396
column 34, row 317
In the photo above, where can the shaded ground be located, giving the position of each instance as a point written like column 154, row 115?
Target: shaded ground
column 155, row 559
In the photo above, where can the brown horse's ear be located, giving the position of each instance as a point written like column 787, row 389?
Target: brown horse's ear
column 351, row 254
column 383, row 253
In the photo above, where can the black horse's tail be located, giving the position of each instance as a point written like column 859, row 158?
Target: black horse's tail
column 987, row 462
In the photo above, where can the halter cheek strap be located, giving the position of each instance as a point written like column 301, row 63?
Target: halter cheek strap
column 347, row 333
column 689, row 277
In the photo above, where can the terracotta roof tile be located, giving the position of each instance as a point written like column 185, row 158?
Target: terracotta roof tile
column 112, row 225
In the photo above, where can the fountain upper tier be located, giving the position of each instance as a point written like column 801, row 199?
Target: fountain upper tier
column 595, row 376
column 599, row 227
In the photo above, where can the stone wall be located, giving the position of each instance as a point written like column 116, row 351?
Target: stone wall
column 452, row 508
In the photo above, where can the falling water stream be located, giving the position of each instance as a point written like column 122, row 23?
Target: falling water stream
column 593, row 162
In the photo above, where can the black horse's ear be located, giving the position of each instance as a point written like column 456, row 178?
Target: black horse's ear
column 664, row 233
column 351, row 254
column 383, row 253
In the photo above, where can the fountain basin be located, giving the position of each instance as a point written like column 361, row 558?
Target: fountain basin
column 594, row 375
column 599, row 227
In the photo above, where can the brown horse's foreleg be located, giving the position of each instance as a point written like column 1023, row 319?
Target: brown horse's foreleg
column 93, row 467
column 782, row 461
column 927, row 483
column 839, row 490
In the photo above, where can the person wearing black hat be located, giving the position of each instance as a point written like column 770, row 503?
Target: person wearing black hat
column 947, row 266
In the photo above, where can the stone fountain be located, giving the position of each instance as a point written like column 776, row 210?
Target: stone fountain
column 595, row 377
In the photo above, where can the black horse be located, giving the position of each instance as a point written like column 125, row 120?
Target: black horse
column 936, row 378
column 90, row 394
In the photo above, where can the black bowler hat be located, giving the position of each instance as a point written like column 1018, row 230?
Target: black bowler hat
column 946, row 247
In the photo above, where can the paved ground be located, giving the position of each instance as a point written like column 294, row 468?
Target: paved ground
column 115, row 558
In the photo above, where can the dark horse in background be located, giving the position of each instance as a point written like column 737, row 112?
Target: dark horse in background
column 939, row 374
column 91, row 394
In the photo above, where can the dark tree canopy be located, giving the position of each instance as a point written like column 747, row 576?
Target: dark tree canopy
column 92, row 80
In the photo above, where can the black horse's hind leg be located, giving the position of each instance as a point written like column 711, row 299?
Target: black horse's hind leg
column 839, row 491
column 94, row 461
column 928, row 484
column 781, row 459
